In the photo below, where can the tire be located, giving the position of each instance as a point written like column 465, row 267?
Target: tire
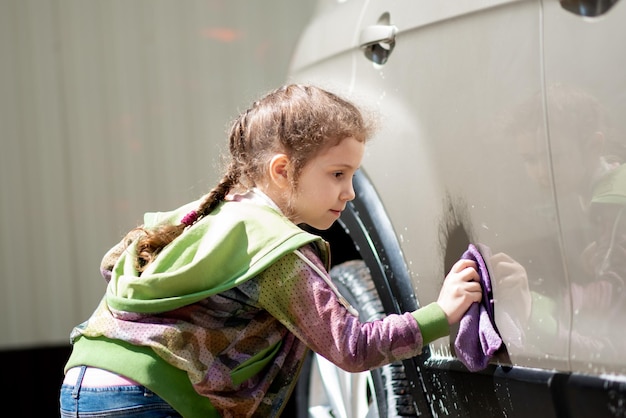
column 326, row 391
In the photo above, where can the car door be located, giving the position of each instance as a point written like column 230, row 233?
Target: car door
column 449, row 80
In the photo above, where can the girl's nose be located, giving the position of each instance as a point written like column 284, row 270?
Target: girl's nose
column 349, row 193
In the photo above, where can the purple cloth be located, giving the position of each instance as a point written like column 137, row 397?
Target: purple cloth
column 477, row 339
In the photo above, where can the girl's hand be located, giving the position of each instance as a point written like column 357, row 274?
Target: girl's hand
column 460, row 289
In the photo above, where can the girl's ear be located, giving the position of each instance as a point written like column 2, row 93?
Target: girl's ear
column 278, row 170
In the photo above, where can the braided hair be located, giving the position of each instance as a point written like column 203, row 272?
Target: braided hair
column 296, row 120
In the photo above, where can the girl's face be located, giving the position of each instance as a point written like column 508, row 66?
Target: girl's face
column 325, row 184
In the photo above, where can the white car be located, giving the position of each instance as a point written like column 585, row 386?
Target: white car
column 503, row 125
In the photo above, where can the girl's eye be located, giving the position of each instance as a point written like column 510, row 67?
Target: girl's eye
column 338, row 174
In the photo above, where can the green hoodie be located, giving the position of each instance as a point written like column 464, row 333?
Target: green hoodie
column 224, row 249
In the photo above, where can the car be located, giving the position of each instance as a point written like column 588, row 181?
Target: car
column 500, row 127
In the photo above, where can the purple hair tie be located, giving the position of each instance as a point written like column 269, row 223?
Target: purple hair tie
column 189, row 218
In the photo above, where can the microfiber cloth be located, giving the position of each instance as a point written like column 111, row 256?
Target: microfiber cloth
column 478, row 339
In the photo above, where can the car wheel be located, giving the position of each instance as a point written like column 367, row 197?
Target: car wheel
column 326, row 391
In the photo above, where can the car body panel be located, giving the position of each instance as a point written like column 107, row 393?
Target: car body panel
column 584, row 67
column 499, row 122
column 321, row 50
column 447, row 122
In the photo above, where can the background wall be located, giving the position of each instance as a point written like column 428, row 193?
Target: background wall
column 110, row 108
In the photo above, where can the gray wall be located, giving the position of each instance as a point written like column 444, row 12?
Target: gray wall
column 109, row 108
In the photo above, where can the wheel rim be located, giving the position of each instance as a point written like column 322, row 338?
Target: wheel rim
column 335, row 393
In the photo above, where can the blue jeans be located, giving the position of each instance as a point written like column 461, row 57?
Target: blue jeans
column 114, row 401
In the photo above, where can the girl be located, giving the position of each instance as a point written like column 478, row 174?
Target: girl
column 210, row 309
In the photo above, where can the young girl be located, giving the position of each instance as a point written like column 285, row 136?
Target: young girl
column 210, row 309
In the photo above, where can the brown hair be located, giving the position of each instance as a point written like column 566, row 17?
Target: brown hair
column 296, row 120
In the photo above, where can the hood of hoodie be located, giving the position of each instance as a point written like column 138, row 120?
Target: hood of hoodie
column 236, row 242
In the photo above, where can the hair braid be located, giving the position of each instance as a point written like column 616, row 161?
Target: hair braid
column 151, row 242
column 218, row 193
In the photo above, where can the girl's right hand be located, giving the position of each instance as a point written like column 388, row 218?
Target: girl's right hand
column 460, row 289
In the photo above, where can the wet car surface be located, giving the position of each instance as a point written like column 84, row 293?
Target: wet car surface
column 501, row 125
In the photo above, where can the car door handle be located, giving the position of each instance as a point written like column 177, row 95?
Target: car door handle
column 377, row 34
column 377, row 42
